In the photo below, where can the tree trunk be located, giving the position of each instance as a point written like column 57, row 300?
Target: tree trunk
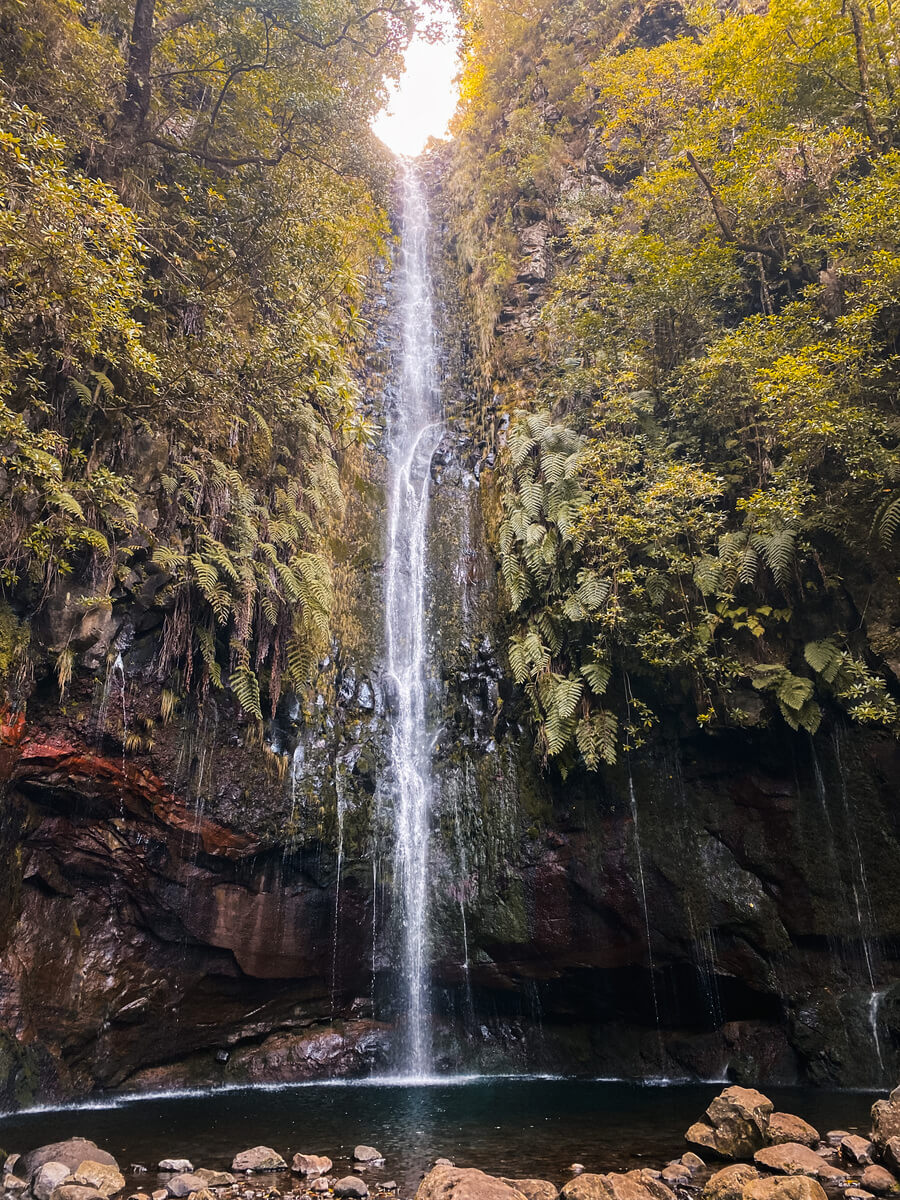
column 136, row 104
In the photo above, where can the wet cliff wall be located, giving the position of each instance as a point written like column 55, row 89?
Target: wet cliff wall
column 173, row 913
column 722, row 899
column 200, row 900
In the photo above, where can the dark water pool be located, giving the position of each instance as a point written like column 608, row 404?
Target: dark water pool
column 518, row 1127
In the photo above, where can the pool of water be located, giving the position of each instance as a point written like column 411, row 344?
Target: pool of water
column 515, row 1127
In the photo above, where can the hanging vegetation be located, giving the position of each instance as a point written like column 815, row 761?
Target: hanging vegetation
column 699, row 478
column 191, row 208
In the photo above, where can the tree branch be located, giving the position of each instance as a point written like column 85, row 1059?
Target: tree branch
column 723, row 217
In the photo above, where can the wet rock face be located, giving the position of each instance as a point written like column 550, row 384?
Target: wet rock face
column 132, row 908
column 141, row 901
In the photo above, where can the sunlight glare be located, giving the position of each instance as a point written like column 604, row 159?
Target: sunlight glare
column 424, row 100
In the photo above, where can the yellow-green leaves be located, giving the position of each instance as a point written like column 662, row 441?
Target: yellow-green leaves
column 180, row 318
column 719, row 333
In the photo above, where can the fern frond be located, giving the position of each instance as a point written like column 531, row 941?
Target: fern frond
column 245, row 686
column 887, row 521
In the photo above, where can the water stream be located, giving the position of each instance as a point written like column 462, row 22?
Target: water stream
column 413, row 435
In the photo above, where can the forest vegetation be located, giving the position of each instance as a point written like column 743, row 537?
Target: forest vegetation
column 192, row 204
column 697, row 497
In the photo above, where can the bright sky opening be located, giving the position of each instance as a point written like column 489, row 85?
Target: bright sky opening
column 425, row 98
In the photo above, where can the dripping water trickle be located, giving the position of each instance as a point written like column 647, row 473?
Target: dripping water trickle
column 374, row 986
column 875, row 996
column 336, row 929
column 462, row 893
column 639, row 853
column 413, row 436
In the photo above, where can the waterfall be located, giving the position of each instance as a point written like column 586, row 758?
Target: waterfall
column 413, row 435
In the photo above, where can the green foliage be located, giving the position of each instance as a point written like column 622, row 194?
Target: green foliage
column 185, row 242
column 14, row 638
column 719, row 350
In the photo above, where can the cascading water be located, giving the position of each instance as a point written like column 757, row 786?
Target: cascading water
column 414, row 432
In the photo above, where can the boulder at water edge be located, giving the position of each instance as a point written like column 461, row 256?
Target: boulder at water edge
column 464, row 1183
column 785, row 1127
column 180, row 1165
column 367, row 1154
column 214, row 1179
column 790, row 1158
column 259, row 1158
column 857, row 1150
column 633, row 1185
column 737, row 1123
column 794, row 1187
column 311, row 1164
column 105, row 1177
column 675, row 1174
column 71, row 1153
column 728, row 1184
column 74, row 1191
column 351, row 1187
column 184, row 1183
column 876, row 1179
column 886, row 1118
column 48, row 1177
column 534, row 1189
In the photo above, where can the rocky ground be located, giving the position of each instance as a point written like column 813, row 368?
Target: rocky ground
column 747, row 1152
